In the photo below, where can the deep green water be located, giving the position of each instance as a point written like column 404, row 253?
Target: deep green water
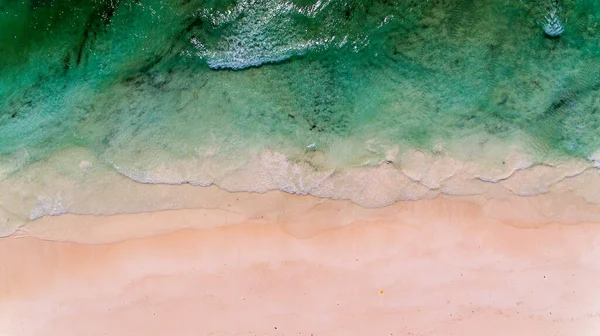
column 140, row 82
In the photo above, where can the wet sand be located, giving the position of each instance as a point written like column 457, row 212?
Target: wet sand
column 433, row 267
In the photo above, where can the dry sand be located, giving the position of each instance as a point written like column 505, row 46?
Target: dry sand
column 308, row 266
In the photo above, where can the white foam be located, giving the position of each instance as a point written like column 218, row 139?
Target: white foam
column 266, row 33
column 76, row 182
column 595, row 158
column 52, row 206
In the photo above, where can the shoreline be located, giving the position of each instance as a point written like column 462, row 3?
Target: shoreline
column 441, row 267
column 305, row 216
column 76, row 182
column 280, row 263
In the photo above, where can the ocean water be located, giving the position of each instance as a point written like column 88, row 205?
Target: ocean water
column 373, row 101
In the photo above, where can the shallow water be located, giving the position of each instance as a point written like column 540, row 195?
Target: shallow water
column 192, row 91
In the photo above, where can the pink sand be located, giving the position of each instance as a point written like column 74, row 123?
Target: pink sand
column 438, row 267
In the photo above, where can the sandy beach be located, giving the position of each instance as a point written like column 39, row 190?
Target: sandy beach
column 314, row 167
column 307, row 266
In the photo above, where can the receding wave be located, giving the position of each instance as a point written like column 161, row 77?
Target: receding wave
column 77, row 181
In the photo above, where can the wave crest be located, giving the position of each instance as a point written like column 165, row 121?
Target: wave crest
column 256, row 32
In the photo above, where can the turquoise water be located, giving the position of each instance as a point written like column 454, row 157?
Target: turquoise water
column 155, row 83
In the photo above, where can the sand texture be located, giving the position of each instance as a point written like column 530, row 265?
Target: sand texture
column 314, row 267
